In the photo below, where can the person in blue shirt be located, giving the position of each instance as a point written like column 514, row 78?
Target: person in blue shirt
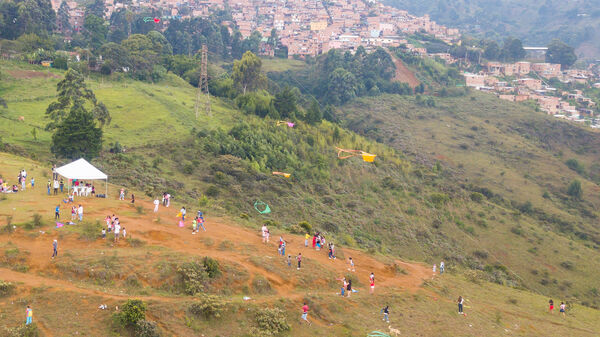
column 57, row 212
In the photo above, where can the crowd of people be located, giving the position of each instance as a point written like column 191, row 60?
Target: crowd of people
column 113, row 225
column 6, row 187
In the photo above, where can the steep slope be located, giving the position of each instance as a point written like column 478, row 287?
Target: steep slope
column 517, row 158
column 66, row 292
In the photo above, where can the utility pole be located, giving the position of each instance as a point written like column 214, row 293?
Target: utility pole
column 203, row 82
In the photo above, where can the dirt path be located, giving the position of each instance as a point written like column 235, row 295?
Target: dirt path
column 403, row 74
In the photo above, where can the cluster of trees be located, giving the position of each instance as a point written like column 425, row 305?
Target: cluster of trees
column 18, row 17
column 337, row 77
column 511, row 50
column 248, row 87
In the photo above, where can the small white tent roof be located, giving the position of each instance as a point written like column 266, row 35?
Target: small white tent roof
column 81, row 169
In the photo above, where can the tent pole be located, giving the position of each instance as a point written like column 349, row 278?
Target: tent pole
column 106, row 185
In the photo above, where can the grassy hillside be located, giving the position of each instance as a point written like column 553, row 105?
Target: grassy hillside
column 90, row 271
column 516, row 157
column 534, row 22
column 403, row 205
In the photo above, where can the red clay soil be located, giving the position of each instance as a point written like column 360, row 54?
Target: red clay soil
column 403, row 74
column 168, row 234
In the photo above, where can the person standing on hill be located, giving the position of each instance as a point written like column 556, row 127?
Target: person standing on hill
column 168, row 200
column 306, row 238
column 57, row 212
column 351, row 264
column 61, row 185
column 461, row 301
column 48, row 186
column 54, row 248
column 551, row 306
column 80, row 212
column 289, row 260
column 305, row 313
column 563, row 308
column 442, row 267
column 32, row 182
column 132, row 198
column 299, row 259
column 194, row 226
column 122, row 194
column 332, row 251
column 182, row 211
column 117, row 231
column 349, row 288
column 201, row 222
column 372, row 281
column 55, row 187
column 28, row 315
column 264, row 230
column 156, row 203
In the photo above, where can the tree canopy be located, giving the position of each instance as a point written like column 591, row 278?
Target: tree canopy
column 73, row 94
column 247, row 72
column 74, row 118
column 561, row 53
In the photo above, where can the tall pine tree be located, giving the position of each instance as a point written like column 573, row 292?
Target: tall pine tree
column 74, row 118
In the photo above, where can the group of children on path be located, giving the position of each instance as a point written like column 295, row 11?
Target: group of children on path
column 113, row 224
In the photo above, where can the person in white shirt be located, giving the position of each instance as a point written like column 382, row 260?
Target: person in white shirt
column 55, row 186
column 124, row 233
column 168, row 200
column 264, row 233
column 442, row 266
column 80, row 212
column 156, row 202
column 117, row 231
column 183, row 211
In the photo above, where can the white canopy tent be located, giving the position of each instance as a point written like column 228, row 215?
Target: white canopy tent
column 81, row 169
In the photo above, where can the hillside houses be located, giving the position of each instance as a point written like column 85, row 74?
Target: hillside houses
column 306, row 27
column 529, row 83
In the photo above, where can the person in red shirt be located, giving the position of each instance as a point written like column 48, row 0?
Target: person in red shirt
column 305, row 313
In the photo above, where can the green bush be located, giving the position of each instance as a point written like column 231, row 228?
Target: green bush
column 194, row 277
column 476, row 196
column 272, row 320
column 261, row 285
column 144, row 328
column 306, row 226
column 575, row 190
column 35, row 222
column 208, row 306
column 567, row 265
column 6, row 288
column 575, row 165
column 211, row 266
column 90, row 231
column 439, row 199
column 131, row 313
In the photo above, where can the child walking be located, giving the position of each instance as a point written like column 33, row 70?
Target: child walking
column 386, row 313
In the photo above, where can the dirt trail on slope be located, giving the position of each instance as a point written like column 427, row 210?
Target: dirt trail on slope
column 247, row 243
column 403, row 74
